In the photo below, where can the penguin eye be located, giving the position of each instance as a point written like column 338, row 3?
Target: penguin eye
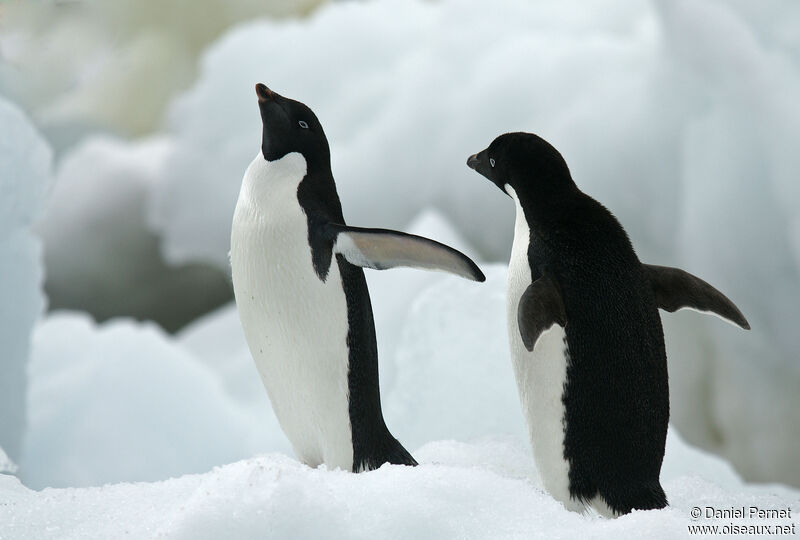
column 303, row 124
column 491, row 161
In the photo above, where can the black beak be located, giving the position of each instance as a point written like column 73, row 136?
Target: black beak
column 264, row 94
column 472, row 161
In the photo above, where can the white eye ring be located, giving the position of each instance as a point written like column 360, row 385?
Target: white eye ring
column 491, row 161
column 303, row 124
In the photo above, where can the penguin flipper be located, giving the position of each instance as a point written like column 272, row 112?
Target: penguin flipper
column 383, row 248
column 539, row 308
column 675, row 289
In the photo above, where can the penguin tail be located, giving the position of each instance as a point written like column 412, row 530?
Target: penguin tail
column 640, row 496
column 397, row 455
column 391, row 451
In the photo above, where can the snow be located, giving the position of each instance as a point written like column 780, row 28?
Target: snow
column 482, row 489
column 25, row 177
column 453, row 366
column 6, row 465
column 92, row 67
column 98, row 247
column 679, row 116
column 122, row 402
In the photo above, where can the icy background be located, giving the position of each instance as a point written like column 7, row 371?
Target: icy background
column 25, row 176
column 681, row 116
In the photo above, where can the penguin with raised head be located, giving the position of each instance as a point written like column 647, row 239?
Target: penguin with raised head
column 302, row 297
column 585, row 332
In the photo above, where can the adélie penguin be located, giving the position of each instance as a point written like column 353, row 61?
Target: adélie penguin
column 302, row 297
column 585, row 333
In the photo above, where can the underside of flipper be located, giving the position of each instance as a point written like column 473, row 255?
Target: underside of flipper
column 380, row 249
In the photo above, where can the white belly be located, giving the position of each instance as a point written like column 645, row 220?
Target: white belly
column 540, row 375
column 295, row 324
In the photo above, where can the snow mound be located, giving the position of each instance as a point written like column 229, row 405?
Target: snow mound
column 25, row 177
column 397, row 148
column 100, row 255
column 452, row 364
column 737, row 161
column 93, row 67
column 121, row 402
column 484, row 489
column 6, row 465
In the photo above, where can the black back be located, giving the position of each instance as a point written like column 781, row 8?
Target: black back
column 616, row 392
column 290, row 126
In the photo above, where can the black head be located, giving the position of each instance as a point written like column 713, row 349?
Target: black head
column 529, row 164
column 290, row 126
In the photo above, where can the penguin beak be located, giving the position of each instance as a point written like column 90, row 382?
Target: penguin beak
column 264, row 94
column 472, row 161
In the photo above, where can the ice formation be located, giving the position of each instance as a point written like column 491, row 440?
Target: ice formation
column 122, row 402
column 25, row 176
column 102, row 257
column 92, row 66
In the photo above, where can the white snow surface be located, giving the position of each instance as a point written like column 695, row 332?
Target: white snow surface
column 122, row 402
column 484, row 489
column 25, row 176
column 677, row 115
column 129, row 413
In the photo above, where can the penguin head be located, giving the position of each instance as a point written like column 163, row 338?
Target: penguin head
column 528, row 164
column 290, row 126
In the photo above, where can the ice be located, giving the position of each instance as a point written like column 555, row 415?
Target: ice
column 739, row 212
column 101, row 256
column 453, row 366
column 122, row 402
column 25, row 177
column 401, row 147
column 483, row 489
column 678, row 116
column 93, row 67
column 6, row 465
column 217, row 342
column 394, row 292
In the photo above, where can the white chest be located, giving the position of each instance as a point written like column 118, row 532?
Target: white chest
column 540, row 374
column 295, row 324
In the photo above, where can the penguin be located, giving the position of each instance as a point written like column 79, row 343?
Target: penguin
column 302, row 298
column 586, row 340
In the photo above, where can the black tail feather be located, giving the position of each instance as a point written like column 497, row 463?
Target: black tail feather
column 391, row 451
column 644, row 496
column 397, row 455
